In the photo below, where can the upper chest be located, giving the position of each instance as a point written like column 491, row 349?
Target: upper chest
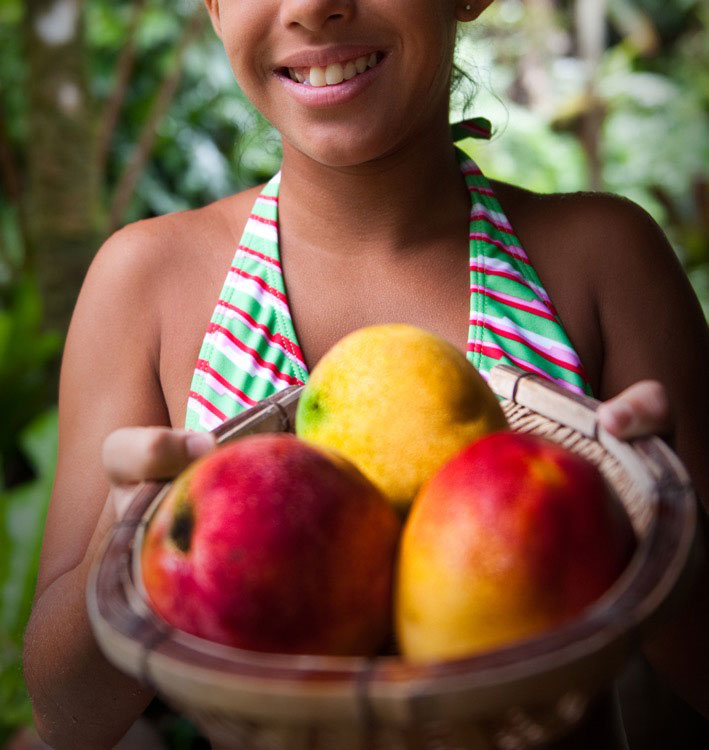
column 330, row 296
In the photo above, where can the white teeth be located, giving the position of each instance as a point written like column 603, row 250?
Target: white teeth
column 334, row 74
column 317, row 77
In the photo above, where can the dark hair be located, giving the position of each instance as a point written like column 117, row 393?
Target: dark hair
column 464, row 88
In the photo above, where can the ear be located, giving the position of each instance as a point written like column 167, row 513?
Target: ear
column 469, row 10
column 212, row 7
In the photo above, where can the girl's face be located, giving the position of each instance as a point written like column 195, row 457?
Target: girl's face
column 344, row 81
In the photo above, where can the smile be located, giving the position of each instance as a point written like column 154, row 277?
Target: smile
column 330, row 75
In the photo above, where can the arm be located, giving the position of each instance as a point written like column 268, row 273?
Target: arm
column 653, row 328
column 108, row 380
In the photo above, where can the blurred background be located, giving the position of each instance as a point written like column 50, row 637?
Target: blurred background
column 115, row 110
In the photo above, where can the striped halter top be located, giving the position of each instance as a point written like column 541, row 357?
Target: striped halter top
column 250, row 350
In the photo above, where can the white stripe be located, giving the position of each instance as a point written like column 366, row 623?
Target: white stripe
column 485, row 372
column 219, row 388
column 494, row 216
column 259, row 229
column 250, row 257
column 252, row 289
column 549, row 346
column 243, row 360
column 470, row 167
column 206, row 419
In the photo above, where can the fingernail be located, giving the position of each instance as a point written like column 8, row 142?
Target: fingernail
column 199, row 443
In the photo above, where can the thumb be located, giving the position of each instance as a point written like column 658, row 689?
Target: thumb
column 640, row 410
column 136, row 454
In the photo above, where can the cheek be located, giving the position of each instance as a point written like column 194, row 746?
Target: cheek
column 433, row 52
column 244, row 37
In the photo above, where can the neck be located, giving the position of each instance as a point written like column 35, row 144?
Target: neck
column 391, row 204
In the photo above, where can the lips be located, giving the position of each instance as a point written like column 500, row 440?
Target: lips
column 328, row 78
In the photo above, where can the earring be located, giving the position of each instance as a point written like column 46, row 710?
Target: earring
column 468, row 7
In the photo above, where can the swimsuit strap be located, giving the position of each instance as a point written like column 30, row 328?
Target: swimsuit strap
column 512, row 319
column 477, row 127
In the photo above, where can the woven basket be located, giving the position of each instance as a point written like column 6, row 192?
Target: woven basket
column 516, row 697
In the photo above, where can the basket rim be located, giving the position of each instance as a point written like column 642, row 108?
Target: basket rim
column 140, row 642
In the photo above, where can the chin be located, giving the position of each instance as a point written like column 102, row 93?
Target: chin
column 345, row 148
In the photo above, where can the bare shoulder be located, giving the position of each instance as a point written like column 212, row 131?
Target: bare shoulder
column 609, row 268
column 152, row 287
column 148, row 267
column 155, row 249
column 589, row 227
column 604, row 245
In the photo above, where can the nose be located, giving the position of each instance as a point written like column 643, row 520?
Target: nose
column 314, row 15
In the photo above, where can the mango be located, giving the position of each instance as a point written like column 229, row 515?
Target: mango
column 512, row 537
column 398, row 402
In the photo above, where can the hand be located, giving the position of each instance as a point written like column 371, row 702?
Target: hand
column 136, row 454
column 642, row 409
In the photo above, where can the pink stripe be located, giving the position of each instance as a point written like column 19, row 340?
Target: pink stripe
column 274, row 292
column 208, row 404
column 265, row 258
column 474, row 128
column 268, row 198
column 470, row 168
column 511, row 250
column 204, row 366
column 216, row 328
column 270, row 222
column 481, row 190
column 480, row 216
column 277, row 339
column 507, row 299
column 571, row 367
column 495, row 352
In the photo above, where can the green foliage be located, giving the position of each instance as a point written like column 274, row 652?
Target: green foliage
column 27, row 462
column 26, row 354
column 211, row 143
column 22, row 512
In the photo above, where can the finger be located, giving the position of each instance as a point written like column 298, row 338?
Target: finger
column 641, row 409
column 135, row 454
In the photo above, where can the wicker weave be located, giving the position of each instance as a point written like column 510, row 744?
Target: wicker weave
column 510, row 699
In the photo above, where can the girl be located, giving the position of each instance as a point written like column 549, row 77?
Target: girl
column 375, row 218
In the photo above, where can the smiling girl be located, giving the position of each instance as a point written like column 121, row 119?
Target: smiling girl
column 374, row 217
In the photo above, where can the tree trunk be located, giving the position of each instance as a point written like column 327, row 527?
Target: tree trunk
column 64, row 200
column 591, row 36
